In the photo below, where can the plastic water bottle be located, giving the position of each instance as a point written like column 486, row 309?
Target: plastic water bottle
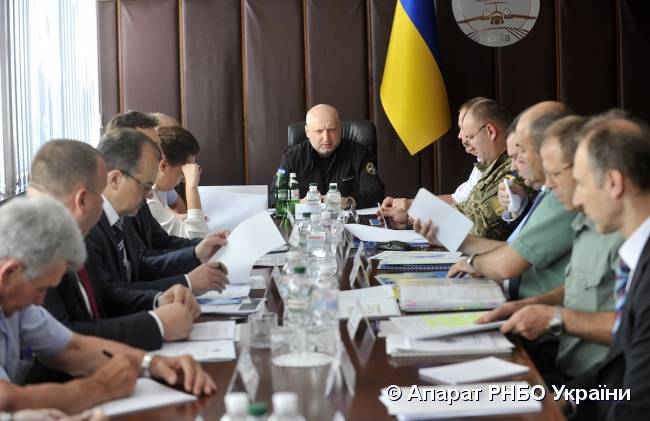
column 294, row 193
column 333, row 201
column 285, row 407
column 303, row 226
column 236, row 407
column 281, row 193
column 298, row 296
column 316, row 238
column 313, row 199
column 325, row 313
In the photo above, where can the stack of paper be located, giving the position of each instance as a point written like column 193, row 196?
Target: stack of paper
column 376, row 302
column 491, row 401
column 210, row 331
column 232, row 294
column 226, row 206
column 453, row 226
column 433, row 294
column 484, row 369
column 251, row 240
column 417, row 260
column 203, row 351
column 484, row 343
column 376, row 234
column 148, row 394
column 432, row 326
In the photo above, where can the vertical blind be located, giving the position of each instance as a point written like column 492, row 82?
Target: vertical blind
column 49, row 80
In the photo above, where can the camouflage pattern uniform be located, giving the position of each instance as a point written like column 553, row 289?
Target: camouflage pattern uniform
column 483, row 207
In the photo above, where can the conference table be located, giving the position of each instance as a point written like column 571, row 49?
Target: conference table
column 374, row 370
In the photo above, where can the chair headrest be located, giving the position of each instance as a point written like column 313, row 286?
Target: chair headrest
column 360, row 131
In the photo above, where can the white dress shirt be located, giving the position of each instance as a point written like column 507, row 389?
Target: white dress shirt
column 462, row 192
column 630, row 251
column 194, row 225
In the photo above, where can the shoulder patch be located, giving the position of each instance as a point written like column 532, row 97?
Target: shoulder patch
column 371, row 169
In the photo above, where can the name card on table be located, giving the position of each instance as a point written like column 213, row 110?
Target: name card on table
column 245, row 375
column 341, row 373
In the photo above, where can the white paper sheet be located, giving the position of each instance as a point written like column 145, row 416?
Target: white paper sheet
column 483, row 369
column 376, row 234
column 203, row 351
column 231, row 291
column 483, row 343
column 453, row 226
column 210, row 331
column 258, row 189
column 226, row 209
column 148, row 394
column 368, row 211
column 272, row 259
column 249, row 241
column 375, row 302
column 440, row 325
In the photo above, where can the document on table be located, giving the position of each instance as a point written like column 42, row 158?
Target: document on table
column 482, row 343
column 217, row 330
column 431, row 326
column 434, row 294
column 249, row 241
column 376, row 302
column 368, row 211
column 231, row 291
column 481, row 370
column 203, row 351
column 453, row 226
column 148, row 394
column 491, row 401
column 377, row 234
column 226, row 209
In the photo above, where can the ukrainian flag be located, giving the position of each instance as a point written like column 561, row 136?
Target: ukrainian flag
column 412, row 90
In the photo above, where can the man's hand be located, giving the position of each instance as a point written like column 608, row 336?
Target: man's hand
column 530, row 322
column 503, row 196
column 183, row 370
column 428, row 230
column 191, row 174
column 116, row 377
column 208, row 276
column 502, row 312
column 516, row 190
column 396, row 212
column 182, row 295
column 462, row 267
column 210, row 244
column 176, row 320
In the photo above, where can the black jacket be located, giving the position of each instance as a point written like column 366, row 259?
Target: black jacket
column 152, row 238
column 627, row 365
column 154, row 272
column 353, row 167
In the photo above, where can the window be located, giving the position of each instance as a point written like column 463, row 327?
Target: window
column 49, row 80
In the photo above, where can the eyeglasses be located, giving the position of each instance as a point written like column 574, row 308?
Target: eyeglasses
column 468, row 139
column 552, row 176
column 147, row 187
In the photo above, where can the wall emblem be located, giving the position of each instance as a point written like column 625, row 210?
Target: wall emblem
column 496, row 23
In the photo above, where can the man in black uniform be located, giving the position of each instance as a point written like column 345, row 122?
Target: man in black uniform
column 327, row 158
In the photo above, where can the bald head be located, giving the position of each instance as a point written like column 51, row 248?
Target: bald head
column 323, row 128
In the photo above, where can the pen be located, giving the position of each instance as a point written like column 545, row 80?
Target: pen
column 108, row 354
column 382, row 215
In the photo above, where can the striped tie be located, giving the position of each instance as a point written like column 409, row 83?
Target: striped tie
column 118, row 229
column 622, row 277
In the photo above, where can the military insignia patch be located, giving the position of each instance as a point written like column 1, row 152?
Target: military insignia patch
column 371, row 169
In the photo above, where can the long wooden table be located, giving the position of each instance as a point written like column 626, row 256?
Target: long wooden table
column 374, row 371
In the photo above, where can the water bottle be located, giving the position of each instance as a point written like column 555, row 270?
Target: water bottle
column 285, row 407
column 333, row 201
column 303, row 226
column 325, row 312
column 294, row 193
column 316, row 238
column 281, row 193
column 236, row 407
column 298, row 295
column 313, row 199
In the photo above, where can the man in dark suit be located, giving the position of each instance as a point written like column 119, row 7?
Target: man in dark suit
column 74, row 173
column 612, row 169
column 132, row 163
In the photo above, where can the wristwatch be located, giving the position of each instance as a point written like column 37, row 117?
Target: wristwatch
column 145, row 366
column 470, row 259
column 556, row 325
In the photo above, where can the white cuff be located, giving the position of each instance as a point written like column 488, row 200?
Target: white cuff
column 189, row 284
column 159, row 323
column 195, row 213
column 155, row 300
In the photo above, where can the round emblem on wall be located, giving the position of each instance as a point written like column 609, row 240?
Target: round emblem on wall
column 496, row 23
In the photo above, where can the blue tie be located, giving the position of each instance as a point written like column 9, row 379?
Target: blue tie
column 622, row 278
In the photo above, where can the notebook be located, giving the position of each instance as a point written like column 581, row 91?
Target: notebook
column 418, row 260
column 481, row 370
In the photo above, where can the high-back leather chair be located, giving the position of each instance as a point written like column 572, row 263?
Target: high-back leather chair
column 360, row 131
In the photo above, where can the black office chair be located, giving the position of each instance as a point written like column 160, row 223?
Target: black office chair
column 360, row 131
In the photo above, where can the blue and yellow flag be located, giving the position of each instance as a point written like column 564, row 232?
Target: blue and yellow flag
column 412, row 90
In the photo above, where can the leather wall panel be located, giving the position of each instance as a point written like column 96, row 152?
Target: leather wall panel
column 212, row 82
column 634, row 44
column 587, row 55
column 150, row 67
column 108, row 59
column 274, row 81
column 526, row 70
column 336, row 52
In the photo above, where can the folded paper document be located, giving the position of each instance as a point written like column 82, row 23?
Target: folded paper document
column 482, row 343
column 148, row 394
column 432, row 326
column 434, row 294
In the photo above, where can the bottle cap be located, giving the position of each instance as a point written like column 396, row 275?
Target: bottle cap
column 285, row 403
column 292, row 174
column 299, row 270
column 306, row 215
column 313, row 187
column 257, row 409
column 236, row 403
column 333, row 186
